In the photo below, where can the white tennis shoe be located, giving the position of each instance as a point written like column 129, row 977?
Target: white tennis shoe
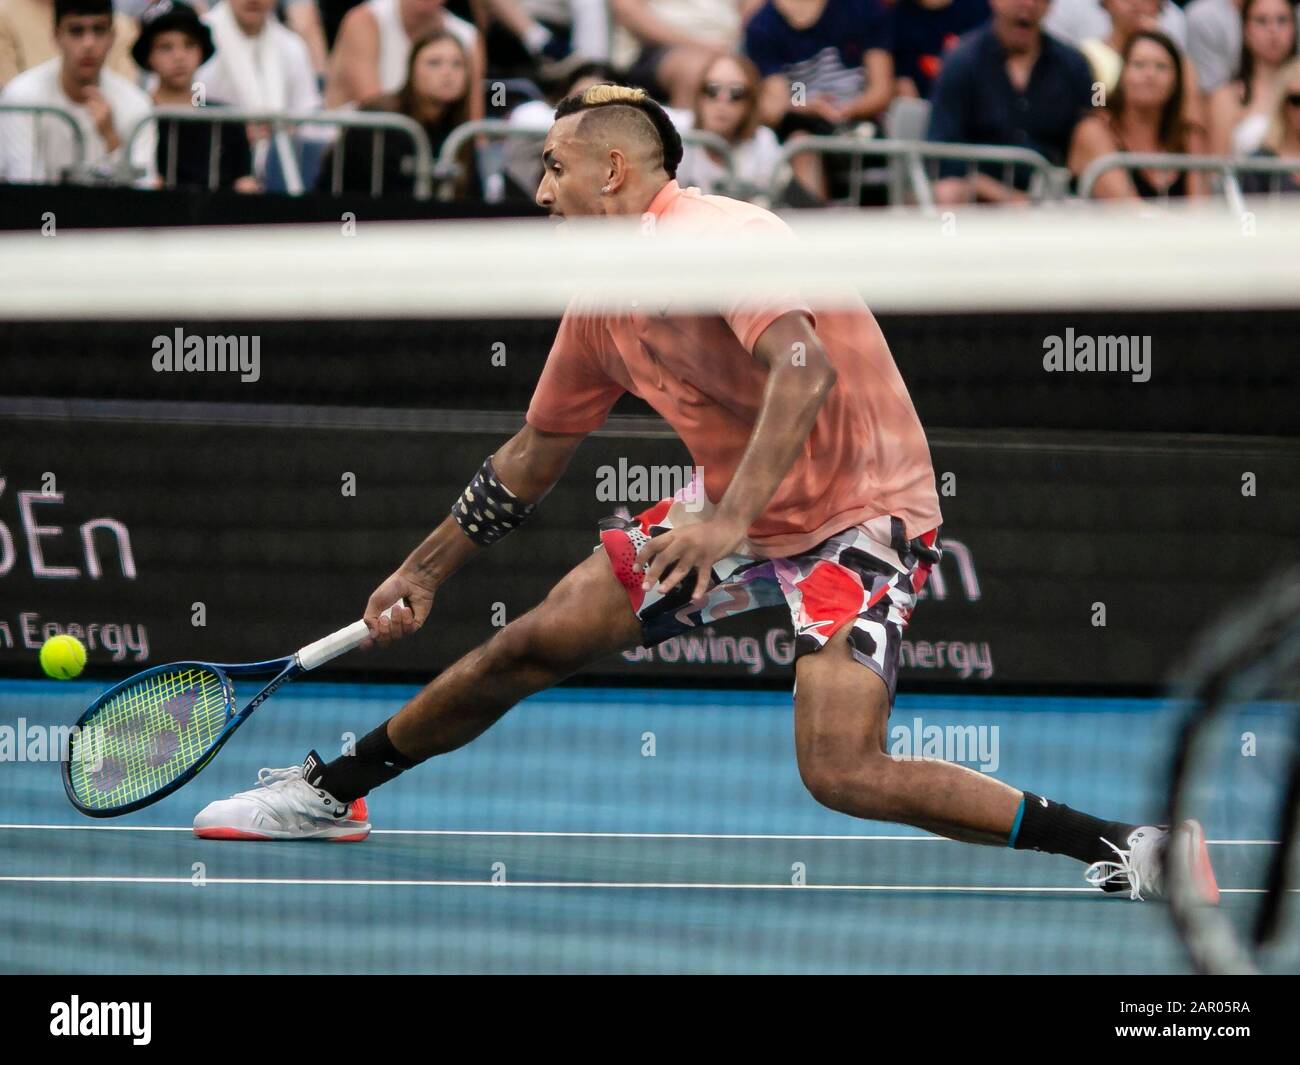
column 284, row 806
column 1141, row 869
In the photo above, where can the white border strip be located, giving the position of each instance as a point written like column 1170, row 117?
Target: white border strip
column 590, row 835
column 652, row 885
column 1188, row 255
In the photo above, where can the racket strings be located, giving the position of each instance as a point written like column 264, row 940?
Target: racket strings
column 147, row 735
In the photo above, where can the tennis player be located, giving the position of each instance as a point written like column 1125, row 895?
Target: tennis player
column 816, row 490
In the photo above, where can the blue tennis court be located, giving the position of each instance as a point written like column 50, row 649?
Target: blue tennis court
column 605, row 830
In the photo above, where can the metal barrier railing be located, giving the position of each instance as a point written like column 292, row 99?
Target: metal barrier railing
column 907, row 161
column 380, row 123
column 1227, row 168
column 447, row 168
column 77, row 170
column 731, row 185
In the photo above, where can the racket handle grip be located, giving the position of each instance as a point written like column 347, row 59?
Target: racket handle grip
column 338, row 643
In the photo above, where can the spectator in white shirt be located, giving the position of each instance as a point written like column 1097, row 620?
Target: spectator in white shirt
column 27, row 39
column 105, row 106
column 1214, row 40
column 1075, row 21
column 1240, row 109
column 260, row 65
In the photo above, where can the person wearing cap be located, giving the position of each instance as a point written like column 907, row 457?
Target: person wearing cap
column 174, row 43
column 106, row 106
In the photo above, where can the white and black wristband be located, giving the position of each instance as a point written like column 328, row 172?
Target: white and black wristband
column 487, row 510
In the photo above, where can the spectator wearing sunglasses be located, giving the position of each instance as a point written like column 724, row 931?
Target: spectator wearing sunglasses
column 727, row 104
column 1282, row 138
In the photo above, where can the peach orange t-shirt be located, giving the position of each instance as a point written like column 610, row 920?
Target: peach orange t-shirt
column 867, row 454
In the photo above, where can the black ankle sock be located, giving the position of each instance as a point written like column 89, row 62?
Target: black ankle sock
column 1055, row 828
column 376, row 761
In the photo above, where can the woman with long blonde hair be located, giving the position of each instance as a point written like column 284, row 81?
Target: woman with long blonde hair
column 1282, row 135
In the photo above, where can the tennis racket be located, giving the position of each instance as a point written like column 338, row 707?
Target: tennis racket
column 152, row 733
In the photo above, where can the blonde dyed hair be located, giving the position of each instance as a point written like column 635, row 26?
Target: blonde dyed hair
column 634, row 109
column 599, row 95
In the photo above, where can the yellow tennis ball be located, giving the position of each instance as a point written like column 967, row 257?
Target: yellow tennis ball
column 62, row 657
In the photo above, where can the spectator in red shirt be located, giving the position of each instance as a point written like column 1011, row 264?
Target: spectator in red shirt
column 924, row 31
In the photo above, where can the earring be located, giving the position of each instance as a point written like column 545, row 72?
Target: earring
column 604, row 190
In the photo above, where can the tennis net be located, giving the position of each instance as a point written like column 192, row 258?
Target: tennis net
column 649, row 816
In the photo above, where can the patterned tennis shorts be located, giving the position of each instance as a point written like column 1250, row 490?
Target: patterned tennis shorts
column 867, row 576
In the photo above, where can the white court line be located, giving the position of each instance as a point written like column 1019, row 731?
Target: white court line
column 591, row 835
column 297, row 882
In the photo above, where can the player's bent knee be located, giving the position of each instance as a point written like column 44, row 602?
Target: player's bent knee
column 533, row 644
column 583, row 618
column 862, row 787
column 517, row 646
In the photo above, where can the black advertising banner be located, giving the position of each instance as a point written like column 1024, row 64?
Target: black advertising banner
column 30, row 207
column 1189, row 372
column 1070, row 559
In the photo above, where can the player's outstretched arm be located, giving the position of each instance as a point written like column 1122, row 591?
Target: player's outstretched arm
column 519, row 475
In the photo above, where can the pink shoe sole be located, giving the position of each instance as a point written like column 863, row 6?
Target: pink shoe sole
column 1207, row 888
column 235, row 833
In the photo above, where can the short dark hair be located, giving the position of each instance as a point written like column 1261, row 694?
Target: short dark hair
column 591, row 68
column 670, row 141
column 63, row 8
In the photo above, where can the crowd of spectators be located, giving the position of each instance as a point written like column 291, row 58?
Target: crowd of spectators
column 1072, row 80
